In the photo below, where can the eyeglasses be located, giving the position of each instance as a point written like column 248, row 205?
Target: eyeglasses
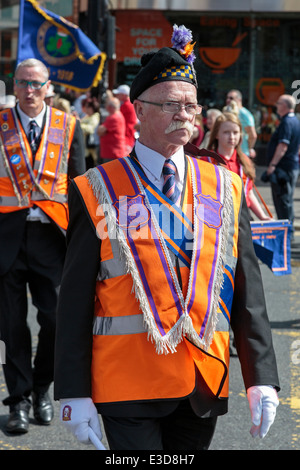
column 35, row 85
column 173, row 107
column 230, row 98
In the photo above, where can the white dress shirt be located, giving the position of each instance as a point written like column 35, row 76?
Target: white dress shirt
column 152, row 163
column 35, row 213
column 25, row 120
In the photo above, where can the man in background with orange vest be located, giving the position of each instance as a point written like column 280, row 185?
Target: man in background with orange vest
column 41, row 150
column 160, row 262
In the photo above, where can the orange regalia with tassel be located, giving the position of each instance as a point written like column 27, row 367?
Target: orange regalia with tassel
column 44, row 181
column 165, row 332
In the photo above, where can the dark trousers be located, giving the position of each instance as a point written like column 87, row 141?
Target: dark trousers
column 38, row 267
column 180, row 430
column 283, row 196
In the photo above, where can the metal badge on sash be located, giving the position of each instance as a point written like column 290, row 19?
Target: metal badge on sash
column 209, row 211
column 132, row 213
column 11, row 137
column 56, row 136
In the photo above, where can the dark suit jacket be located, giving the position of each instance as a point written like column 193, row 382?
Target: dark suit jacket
column 12, row 224
column 75, row 317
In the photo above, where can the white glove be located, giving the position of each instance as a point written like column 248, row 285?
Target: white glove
column 263, row 401
column 79, row 416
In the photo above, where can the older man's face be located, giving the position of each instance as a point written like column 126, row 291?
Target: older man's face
column 30, row 99
column 166, row 132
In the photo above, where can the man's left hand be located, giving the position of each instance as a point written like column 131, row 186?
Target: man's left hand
column 263, row 401
column 271, row 169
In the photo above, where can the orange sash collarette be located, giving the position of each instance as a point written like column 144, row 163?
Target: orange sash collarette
column 169, row 314
column 21, row 181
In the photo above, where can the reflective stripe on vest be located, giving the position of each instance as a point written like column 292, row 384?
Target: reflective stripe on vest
column 133, row 324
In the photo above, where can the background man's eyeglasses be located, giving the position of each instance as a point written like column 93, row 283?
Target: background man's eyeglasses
column 35, row 85
column 173, row 107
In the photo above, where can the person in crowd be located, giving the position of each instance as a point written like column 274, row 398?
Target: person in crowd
column 198, row 132
column 127, row 109
column 89, row 125
column 8, row 101
column 63, row 104
column 231, row 107
column 154, row 360
column 112, row 132
column 225, row 139
column 211, row 116
column 76, row 104
column 50, row 96
column 102, row 104
column 42, row 150
column 249, row 136
column 283, row 159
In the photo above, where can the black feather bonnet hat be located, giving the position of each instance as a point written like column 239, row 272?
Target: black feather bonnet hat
column 169, row 63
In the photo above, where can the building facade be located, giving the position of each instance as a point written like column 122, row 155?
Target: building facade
column 252, row 46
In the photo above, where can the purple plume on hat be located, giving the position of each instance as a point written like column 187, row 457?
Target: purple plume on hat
column 169, row 63
column 181, row 41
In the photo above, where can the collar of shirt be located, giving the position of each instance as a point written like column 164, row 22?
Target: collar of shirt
column 290, row 114
column 25, row 119
column 232, row 162
column 152, row 163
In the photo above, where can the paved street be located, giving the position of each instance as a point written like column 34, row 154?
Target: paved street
column 282, row 295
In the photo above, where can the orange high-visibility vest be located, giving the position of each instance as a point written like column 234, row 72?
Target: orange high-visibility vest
column 150, row 332
column 44, row 182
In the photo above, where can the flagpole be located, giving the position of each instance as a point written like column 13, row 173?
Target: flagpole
column 21, row 16
column 262, row 200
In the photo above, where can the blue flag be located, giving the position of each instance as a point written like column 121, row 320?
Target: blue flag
column 271, row 240
column 72, row 59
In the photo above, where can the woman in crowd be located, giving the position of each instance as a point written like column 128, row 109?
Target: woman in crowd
column 198, row 132
column 225, row 139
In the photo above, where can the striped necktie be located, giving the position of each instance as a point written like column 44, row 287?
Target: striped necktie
column 32, row 136
column 169, row 188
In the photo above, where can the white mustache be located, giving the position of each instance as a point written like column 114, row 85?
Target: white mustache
column 175, row 125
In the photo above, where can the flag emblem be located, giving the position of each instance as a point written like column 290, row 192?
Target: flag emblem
column 55, row 46
column 72, row 59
